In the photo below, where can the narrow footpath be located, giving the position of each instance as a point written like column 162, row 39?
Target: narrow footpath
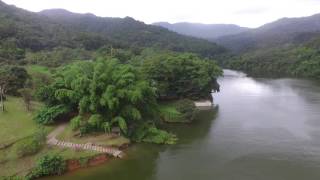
column 53, row 141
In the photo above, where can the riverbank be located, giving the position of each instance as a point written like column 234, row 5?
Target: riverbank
column 74, row 158
column 23, row 142
column 261, row 129
column 141, row 158
column 77, row 151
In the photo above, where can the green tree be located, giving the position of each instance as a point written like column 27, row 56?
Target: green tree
column 9, row 50
column 26, row 94
column 113, row 93
column 178, row 76
column 13, row 78
column 48, row 165
column 3, row 91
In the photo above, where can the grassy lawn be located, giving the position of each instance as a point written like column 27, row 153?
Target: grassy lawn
column 31, row 69
column 12, row 165
column 101, row 139
column 16, row 123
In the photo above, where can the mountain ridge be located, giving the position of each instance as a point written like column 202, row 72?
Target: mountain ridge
column 282, row 32
column 54, row 28
column 200, row 30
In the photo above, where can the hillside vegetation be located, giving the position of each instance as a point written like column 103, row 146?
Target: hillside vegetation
column 60, row 35
column 297, row 60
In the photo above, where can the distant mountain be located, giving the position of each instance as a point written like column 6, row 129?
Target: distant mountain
column 287, row 47
column 60, row 28
column 204, row 31
column 284, row 32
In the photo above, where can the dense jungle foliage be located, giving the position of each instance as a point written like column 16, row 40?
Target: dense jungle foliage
column 296, row 60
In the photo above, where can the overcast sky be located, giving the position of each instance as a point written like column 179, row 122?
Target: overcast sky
column 247, row 13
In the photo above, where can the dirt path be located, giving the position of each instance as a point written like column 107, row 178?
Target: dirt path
column 57, row 131
column 53, row 141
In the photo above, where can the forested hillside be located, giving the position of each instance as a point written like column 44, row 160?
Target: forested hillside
column 23, row 32
column 301, row 60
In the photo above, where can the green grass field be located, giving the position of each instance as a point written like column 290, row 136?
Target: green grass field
column 31, row 69
column 16, row 123
column 10, row 165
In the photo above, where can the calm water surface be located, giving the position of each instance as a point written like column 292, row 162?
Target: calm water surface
column 261, row 129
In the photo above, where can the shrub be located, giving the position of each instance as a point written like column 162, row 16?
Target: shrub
column 150, row 134
column 76, row 122
column 85, row 129
column 49, row 114
column 83, row 161
column 169, row 113
column 179, row 112
column 95, row 122
column 158, row 136
column 48, row 165
column 187, row 108
column 27, row 147
column 40, row 136
column 31, row 145
column 46, row 94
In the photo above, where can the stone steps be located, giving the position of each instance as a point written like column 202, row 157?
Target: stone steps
column 111, row 151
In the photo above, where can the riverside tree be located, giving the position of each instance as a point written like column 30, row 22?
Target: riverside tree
column 179, row 76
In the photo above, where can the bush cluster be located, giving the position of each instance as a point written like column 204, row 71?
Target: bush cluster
column 187, row 108
column 49, row 114
column 31, row 145
column 150, row 134
column 47, row 165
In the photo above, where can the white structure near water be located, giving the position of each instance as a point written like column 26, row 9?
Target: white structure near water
column 203, row 104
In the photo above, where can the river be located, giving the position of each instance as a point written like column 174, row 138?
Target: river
column 260, row 129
